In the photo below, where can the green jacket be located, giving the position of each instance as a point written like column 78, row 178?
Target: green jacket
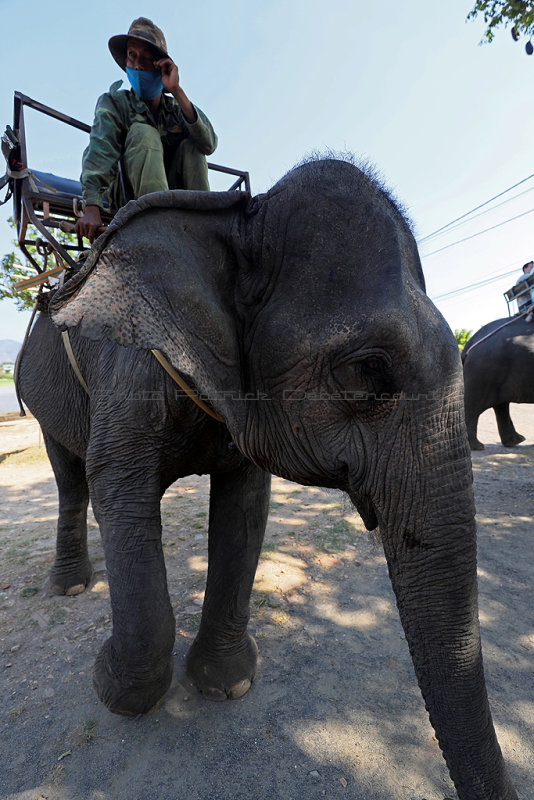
column 115, row 111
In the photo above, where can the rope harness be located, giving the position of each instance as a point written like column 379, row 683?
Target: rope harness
column 72, row 359
column 167, row 366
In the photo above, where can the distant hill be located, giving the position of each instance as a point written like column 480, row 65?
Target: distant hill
column 9, row 349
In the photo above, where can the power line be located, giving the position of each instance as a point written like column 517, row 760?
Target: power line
column 473, row 235
column 472, row 286
column 454, row 227
column 468, row 213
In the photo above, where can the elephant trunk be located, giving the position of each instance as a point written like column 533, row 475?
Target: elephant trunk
column 431, row 555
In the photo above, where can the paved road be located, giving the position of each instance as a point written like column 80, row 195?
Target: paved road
column 8, row 399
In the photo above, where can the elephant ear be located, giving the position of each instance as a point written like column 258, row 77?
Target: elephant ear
column 162, row 277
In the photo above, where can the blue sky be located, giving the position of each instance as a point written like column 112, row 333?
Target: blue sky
column 405, row 85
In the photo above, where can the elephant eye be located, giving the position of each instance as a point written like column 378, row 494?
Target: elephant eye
column 373, row 364
column 367, row 378
column 372, row 372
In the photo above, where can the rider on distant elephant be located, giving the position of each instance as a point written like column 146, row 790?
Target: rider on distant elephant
column 525, row 300
column 159, row 142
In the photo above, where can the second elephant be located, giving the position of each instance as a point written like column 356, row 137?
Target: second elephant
column 498, row 363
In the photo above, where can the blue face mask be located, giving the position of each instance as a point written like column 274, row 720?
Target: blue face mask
column 147, row 85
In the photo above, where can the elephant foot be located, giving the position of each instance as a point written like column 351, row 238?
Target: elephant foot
column 124, row 694
column 474, row 444
column 512, row 441
column 71, row 580
column 222, row 675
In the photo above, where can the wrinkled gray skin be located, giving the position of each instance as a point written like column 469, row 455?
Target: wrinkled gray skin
column 301, row 315
column 498, row 371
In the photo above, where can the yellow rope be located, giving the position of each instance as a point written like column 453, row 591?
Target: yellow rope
column 72, row 359
column 168, row 367
column 41, row 278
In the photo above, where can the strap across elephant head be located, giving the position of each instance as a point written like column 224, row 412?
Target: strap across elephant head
column 162, row 277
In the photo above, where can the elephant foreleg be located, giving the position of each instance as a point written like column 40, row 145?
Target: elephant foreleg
column 72, row 568
column 134, row 668
column 222, row 659
column 508, row 434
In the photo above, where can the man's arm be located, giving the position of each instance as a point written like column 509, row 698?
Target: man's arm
column 170, row 78
column 199, row 127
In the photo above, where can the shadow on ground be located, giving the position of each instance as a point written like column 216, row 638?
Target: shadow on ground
column 335, row 711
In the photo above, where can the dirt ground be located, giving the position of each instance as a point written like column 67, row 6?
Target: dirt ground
column 335, row 711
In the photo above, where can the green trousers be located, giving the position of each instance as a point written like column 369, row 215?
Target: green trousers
column 143, row 168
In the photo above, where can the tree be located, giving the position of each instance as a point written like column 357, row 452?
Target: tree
column 13, row 270
column 518, row 13
column 462, row 335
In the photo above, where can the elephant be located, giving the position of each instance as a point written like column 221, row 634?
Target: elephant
column 299, row 318
column 498, row 363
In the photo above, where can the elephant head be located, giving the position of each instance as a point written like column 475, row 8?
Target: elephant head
column 301, row 316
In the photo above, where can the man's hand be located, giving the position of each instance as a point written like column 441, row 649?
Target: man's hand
column 89, row 224
column 170, row 79
column 169, row 74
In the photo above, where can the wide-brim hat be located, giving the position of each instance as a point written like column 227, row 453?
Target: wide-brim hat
column 143, row 29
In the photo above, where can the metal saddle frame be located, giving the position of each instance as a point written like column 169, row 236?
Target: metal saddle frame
column 522, row 292
column 50, row 202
